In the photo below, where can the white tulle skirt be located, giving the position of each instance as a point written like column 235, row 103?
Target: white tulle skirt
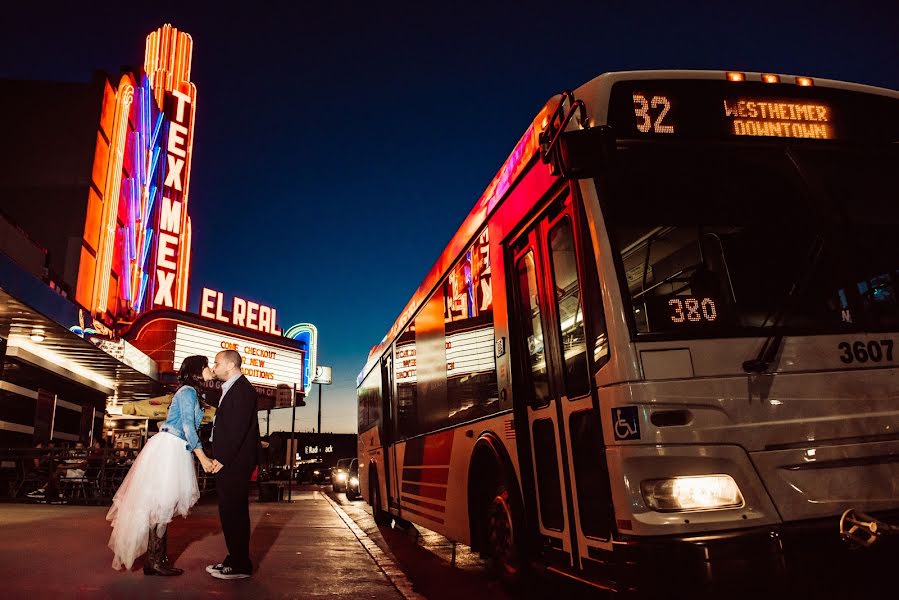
column 161, row 483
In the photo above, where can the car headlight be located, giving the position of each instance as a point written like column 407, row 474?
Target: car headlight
column 316, row 472
column 341, row 477
column 354, row 481
column 702, row 492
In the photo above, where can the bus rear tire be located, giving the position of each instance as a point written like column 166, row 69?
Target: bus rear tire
column 381, row 517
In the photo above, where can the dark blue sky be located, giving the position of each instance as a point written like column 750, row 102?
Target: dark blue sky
column 353, row 137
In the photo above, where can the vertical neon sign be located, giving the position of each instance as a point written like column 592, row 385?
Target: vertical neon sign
column 167, row 66
column 307, row 333
column 141, row 197
column 106, row 245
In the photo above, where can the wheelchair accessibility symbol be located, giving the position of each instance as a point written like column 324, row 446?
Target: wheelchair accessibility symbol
column 626, row 423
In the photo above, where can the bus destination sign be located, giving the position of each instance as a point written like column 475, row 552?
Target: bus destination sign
column 779, row 118
column 708, row 109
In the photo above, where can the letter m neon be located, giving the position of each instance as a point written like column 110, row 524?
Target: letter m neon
column 170, row 217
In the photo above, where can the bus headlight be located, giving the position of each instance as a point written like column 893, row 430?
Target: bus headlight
column 341, row 477
column 702, row 492
column 354, row 481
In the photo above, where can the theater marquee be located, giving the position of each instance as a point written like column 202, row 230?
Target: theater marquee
column 263, row 364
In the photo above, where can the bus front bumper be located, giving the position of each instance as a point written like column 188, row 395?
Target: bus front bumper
column 801, row 556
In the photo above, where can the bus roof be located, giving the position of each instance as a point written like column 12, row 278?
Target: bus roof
column 595, row 94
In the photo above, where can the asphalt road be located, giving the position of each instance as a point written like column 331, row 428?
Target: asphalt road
column 425, row 557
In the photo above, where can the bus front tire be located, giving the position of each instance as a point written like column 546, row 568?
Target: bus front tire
column 381, row 517
column 502, row 536
column 496, row 514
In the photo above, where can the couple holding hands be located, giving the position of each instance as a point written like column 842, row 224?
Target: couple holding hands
column 163, row 482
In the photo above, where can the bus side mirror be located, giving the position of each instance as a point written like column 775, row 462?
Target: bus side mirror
column 585, row 153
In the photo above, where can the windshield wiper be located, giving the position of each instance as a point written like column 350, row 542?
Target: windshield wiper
column 770, row 348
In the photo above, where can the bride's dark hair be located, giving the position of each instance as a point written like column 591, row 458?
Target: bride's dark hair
column 191, row 373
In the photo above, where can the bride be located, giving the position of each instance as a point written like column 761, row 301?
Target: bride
column 162, row 481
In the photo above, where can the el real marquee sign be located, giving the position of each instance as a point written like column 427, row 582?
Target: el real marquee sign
column 244, row 313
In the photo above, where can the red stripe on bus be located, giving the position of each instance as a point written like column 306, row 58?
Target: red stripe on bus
column 424, row 504
column 419, row 475
column 423, row 514
column 428, row 491
column 429, row 450
column 438, row 448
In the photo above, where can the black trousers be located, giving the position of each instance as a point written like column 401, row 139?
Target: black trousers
column 234, row 512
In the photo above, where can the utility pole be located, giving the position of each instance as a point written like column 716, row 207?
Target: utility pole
column 322, row 376
column 293, row 447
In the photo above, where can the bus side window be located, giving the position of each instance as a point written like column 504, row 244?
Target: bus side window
column 471, row 387
column 531, row 328
column 369, row 396
column 405, row 380
column 567, row 293
column 444, row 368
column 571, row 311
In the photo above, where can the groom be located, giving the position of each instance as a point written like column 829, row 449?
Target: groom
column 235, row 437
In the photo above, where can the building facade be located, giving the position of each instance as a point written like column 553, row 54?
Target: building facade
column 95, row 257
column 94, row 232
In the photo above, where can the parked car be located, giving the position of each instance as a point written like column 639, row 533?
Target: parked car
column 322, row 475
column 341, row 474
column 307, row 471
column 352, row 481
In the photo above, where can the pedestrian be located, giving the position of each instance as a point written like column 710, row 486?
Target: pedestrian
column 43, row 475
column 162, row 482
column 235, row 439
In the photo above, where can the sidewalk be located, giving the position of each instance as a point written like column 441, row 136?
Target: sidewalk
column 300, row 550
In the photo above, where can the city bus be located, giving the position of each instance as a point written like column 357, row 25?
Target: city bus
column 664, row 341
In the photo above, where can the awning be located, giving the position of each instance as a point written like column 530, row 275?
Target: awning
column 31, row 311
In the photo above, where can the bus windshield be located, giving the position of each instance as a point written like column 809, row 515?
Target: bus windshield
column 727, row 239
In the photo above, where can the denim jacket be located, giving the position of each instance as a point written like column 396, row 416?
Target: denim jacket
column 185, row 414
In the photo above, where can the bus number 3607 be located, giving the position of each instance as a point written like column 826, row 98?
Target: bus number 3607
column 861, row 352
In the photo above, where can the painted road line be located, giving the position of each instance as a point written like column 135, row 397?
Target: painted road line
column 394, row 574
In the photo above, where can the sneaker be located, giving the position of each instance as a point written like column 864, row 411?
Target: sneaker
column 38, row 494
column 214, row 568
column 229, row 573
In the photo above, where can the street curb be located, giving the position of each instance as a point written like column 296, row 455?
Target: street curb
column 393, row 573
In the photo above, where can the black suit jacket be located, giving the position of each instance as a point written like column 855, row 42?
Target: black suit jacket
column 235, row 436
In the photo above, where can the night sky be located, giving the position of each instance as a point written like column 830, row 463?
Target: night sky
column 339, row 145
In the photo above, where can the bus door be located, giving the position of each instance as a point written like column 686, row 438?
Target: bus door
column 561, row 338
column 388, row 439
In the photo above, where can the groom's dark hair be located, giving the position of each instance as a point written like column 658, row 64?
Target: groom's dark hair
column 233, row 357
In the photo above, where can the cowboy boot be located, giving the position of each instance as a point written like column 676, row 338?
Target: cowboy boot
column 152, row 551
column 164, row 554
column 155, row 565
